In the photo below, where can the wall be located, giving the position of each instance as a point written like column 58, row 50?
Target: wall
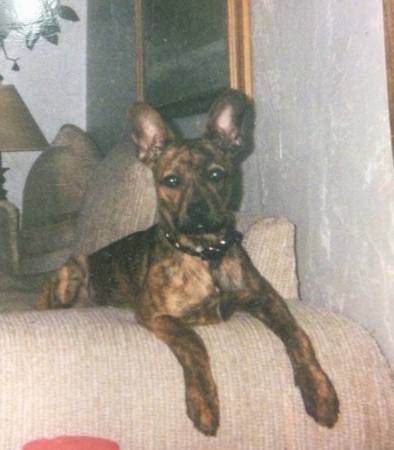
column 110, row 70
column 52, row 83
column 323, row 155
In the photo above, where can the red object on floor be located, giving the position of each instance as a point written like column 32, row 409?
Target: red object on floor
column 72, row 443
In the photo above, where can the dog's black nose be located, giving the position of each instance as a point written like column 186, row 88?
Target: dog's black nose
column 198, row 212
column 201, row 218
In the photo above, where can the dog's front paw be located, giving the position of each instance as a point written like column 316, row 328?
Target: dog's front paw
column 67, row 287
column 319, row 395
column 203, row 410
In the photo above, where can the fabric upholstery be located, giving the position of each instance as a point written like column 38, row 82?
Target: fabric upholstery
column 120, row 200
column 52, row 199
column 270, row 244
column 96, row 372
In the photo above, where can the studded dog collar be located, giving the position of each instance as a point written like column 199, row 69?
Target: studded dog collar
column 212, row 252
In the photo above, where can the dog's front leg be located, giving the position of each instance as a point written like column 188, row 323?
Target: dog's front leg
column 318, row 393
column 201, row 393
column 68, row 286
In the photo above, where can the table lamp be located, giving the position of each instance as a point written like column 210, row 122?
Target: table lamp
column 18, row 130
column 18, row 133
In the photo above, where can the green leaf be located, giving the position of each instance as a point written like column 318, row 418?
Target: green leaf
column 50, row 31
column 52, row 38
column 67, row 13
column 50, row 26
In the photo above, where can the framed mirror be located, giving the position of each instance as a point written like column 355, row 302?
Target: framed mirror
column 188, row 51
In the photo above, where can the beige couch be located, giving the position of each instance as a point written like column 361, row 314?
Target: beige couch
column 95, row 372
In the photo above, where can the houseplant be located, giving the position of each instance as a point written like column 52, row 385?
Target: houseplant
column 32, row 20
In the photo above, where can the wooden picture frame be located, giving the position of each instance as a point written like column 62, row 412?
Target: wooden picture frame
column 235, row 70
column 388, row 11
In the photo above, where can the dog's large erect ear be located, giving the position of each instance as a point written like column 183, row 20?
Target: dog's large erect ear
column 230, row 121
column 148, row 130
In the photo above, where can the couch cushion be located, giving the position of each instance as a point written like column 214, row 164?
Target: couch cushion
column 270, row 244
column 120, row 200
column 52, row 198
column 96, row 372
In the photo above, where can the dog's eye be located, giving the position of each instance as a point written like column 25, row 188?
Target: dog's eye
column 172, row 181
column 216, row 175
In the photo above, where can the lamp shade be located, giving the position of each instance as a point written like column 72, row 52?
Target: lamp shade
column 18, row 130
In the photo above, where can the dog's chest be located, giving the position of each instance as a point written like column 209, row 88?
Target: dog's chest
column 183, row 287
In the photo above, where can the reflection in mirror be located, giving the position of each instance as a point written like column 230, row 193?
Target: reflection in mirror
column 188, row 51
column 185, row 48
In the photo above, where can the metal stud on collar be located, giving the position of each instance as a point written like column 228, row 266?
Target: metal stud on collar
column 212, row 252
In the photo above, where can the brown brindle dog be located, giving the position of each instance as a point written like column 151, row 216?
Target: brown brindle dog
column 190, row 268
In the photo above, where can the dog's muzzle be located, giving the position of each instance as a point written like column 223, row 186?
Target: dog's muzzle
column 200, row 219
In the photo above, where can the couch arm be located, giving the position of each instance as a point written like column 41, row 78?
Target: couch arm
column 96, row 372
